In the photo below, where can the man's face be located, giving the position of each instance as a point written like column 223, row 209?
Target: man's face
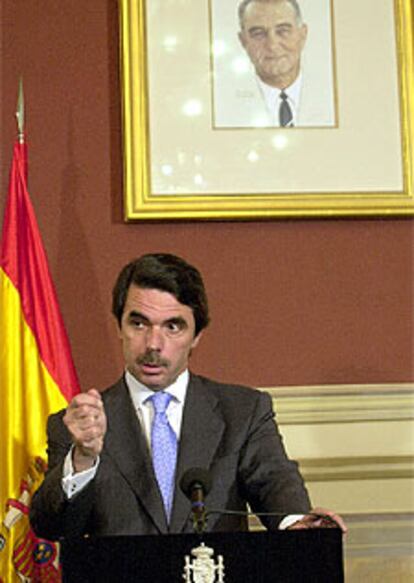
column 157, row 334
column 274, row 41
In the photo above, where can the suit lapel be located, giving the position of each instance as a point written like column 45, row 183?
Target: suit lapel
column 127, row 447
column 201, row 432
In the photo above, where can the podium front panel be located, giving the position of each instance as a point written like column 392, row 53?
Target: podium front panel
column 308, row 556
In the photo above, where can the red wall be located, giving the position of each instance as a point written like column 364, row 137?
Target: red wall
column 292, row 302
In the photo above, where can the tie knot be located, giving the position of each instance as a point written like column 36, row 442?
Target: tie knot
column 283, row 96
column 160, row 401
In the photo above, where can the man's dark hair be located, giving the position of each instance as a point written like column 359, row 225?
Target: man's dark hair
column 168, row 273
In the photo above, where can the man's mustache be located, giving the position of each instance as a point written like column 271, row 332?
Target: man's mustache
column 153, row 358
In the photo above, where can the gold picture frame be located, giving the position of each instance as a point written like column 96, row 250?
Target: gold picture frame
column 178, row 166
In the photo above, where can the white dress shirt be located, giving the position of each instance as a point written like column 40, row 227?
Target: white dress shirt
column 271, row 96
column 140, row 395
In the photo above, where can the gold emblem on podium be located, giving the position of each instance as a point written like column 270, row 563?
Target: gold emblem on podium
column 203, row 568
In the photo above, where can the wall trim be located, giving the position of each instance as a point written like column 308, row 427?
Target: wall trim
column 342, row 403
column 357, row 468
column 379, row 534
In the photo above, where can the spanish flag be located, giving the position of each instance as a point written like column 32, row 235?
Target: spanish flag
column 37, row 377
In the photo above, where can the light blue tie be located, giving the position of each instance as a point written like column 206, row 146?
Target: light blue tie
column 164, row 449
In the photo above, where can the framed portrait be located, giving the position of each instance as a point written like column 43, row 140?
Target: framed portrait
column 202, row 140
column 289, row 50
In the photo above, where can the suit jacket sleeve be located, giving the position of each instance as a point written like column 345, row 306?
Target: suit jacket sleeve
column 52, row 515
column 271, row 482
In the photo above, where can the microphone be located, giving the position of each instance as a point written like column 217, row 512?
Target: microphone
column 196, row 484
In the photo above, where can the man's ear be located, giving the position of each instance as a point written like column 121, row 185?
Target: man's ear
column 196, row 340
column 118, row 328
column 304, row 34
column 241, row 39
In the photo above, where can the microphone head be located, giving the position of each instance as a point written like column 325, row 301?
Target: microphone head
column 195, row 478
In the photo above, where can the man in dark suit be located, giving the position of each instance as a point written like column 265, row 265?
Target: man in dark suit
column 116, row 459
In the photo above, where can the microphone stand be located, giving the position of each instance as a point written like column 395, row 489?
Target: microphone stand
column 198, row 509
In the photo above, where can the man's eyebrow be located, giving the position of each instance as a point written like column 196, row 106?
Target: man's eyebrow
column 176, row 320
column 284, row 25
column 257, row 28
column 137, row 315
column 134, row 315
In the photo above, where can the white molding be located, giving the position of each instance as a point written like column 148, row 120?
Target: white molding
column 379, row 534
column 343, row 403
column 357, row 468
column 315, row 418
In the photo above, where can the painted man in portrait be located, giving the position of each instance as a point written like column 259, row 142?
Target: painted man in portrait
column 278, row 90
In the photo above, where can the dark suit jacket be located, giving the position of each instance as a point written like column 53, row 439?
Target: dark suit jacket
column 227, row 429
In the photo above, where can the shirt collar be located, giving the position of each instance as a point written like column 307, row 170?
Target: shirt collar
column 272, row 94
column 140, row 393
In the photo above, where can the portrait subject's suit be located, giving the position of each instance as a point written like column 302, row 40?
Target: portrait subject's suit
column 241, row 104
column 226, row 429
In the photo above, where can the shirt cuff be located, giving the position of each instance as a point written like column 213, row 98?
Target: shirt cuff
column 73, row 483
column 289, row 520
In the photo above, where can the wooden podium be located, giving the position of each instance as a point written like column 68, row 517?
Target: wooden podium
column 308, row 556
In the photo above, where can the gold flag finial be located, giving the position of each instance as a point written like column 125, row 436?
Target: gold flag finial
column 20, row 113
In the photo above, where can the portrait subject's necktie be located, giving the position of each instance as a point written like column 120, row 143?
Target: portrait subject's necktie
column 285, row 113
column 164, row 449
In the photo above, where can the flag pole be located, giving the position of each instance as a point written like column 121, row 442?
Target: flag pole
column 20, row 113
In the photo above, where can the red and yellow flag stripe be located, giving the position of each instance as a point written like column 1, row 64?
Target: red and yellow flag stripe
column 37, row 376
